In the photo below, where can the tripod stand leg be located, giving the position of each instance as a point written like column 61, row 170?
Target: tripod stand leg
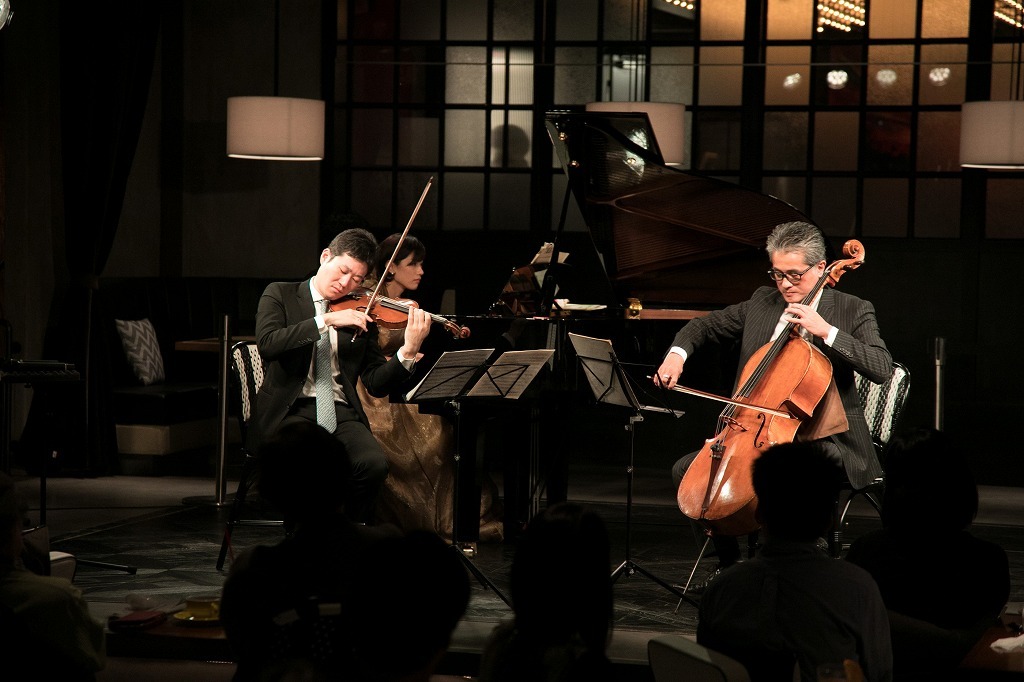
column 130, row 570
column 628, row 566
column 670, row 588
column 478, row 574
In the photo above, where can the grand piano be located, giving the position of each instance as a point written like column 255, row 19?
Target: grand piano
column 663, row 245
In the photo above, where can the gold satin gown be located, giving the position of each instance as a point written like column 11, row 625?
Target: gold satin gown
column 420, row 447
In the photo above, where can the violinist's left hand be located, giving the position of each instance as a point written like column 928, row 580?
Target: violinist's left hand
column 347, row 317
column 416, row 330
column 808, row 318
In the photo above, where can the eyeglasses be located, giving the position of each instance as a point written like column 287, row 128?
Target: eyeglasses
column 793, row 277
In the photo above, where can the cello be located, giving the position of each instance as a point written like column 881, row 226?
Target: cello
column 780, row 387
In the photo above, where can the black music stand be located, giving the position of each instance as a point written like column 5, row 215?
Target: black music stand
column 610, row 385
column 461, row 375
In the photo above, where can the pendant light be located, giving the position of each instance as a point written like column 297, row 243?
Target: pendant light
column 992, row 132
column 275, row 128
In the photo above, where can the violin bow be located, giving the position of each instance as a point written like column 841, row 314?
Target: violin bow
column 398, row 247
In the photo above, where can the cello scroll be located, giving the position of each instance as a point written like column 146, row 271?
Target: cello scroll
column 854, row 252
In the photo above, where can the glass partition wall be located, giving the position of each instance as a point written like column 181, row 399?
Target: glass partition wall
column 847, row 109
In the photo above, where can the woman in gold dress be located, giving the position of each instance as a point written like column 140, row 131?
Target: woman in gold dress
column 418, row 492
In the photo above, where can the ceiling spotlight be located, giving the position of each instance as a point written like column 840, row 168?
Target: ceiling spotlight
column 885, row 77
column 939, row 76
column 791, row 81
column 837, row 79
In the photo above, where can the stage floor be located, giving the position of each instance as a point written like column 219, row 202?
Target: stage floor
column 169, row 529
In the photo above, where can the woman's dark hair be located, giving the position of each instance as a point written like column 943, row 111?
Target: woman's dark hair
column 560, row 581
column 411, row 245
column 928, row 483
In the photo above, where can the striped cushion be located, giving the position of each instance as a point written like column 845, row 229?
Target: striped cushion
column 138, row 338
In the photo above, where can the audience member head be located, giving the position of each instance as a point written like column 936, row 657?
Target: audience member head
column 928, row 483
column 560, row 577
column 796, row 486
column 404, row 612
column 11, row 515
column 302, row 468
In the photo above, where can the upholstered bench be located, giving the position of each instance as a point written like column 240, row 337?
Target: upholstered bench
column 164, row 401
column 154, row 415
column 165, row 418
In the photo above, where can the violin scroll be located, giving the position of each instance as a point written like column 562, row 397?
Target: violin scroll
column 454, row 329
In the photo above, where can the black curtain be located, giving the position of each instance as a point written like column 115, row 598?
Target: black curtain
column 106, row 60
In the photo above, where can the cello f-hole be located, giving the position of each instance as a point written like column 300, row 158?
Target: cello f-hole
column 758, row 443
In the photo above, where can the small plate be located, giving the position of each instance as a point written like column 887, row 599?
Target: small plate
column 186, row 618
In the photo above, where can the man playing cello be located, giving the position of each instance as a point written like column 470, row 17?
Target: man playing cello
column 841, row 326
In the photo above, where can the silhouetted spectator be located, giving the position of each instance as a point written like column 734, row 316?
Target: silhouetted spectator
column 562, row 598
column 792, row 601
column 303, row 468
column 45, row 623
column 412, row 593
column 937, row 609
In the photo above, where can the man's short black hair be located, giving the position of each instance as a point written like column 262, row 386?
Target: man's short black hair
column 356, row 242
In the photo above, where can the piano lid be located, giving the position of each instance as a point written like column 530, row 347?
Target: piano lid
column 665, row 235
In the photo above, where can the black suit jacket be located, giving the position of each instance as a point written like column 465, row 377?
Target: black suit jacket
column 858, row 347
column 286, row 335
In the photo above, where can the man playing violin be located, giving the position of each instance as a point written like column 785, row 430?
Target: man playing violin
column 294, row 324
column 840, row 325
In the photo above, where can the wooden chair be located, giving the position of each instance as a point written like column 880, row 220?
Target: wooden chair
column 247, row 377
column 882, row 404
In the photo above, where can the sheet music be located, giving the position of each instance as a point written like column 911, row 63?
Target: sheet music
column 543, row 256
column 450, row 374
column 597, row 357
column 511, row 374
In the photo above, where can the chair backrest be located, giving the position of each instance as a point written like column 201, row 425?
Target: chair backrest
column 247, row 366
column 674, row 658
column 883, row 403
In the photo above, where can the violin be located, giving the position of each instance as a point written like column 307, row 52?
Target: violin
column 391, row 313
